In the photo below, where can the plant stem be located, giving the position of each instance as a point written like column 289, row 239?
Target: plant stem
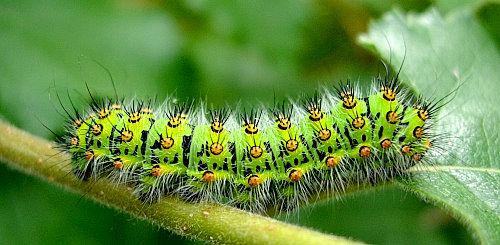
column 209, row 222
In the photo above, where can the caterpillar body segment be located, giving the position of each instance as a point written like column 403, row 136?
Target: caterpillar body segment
column 296, row 180
column 81, row 152
column 255, row 155
column 169, row 144
column 130, row 149
column 257, row 164
column 277, row 158
column 212, row 158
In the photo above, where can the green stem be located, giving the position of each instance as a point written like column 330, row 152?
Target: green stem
column 208, row 222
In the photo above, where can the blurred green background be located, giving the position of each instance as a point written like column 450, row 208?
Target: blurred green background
column 223, row 51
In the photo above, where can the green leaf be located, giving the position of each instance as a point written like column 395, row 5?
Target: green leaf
column 442, row 54
column 447, row 6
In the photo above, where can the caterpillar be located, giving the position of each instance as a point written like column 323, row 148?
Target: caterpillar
column 260, row 158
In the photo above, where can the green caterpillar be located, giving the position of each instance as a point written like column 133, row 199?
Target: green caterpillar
column 255, row 160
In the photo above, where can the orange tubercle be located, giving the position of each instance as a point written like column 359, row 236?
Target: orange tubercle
column 209, row 176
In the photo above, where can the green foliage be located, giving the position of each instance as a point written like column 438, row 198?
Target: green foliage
column 252, row 50
column 467, row 183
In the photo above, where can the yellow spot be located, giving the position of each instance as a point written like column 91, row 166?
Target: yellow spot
column 77, row 123
column 358, row 123
column 324, row 134
column 250, row 128
column 388, row 94
column 391, row 117
column 174, row 121
column 348, row 100
column 216, row 148
column 315, row 113
column 97, row 129
column 418, row 132
column 217, row 126
column 283, row 122
column 422, row 113
column 103, row 113
column 292, row 145
column 134, row 117
column 127, row 135
column 146, row 110
column 167, row 143
column 256, row 151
